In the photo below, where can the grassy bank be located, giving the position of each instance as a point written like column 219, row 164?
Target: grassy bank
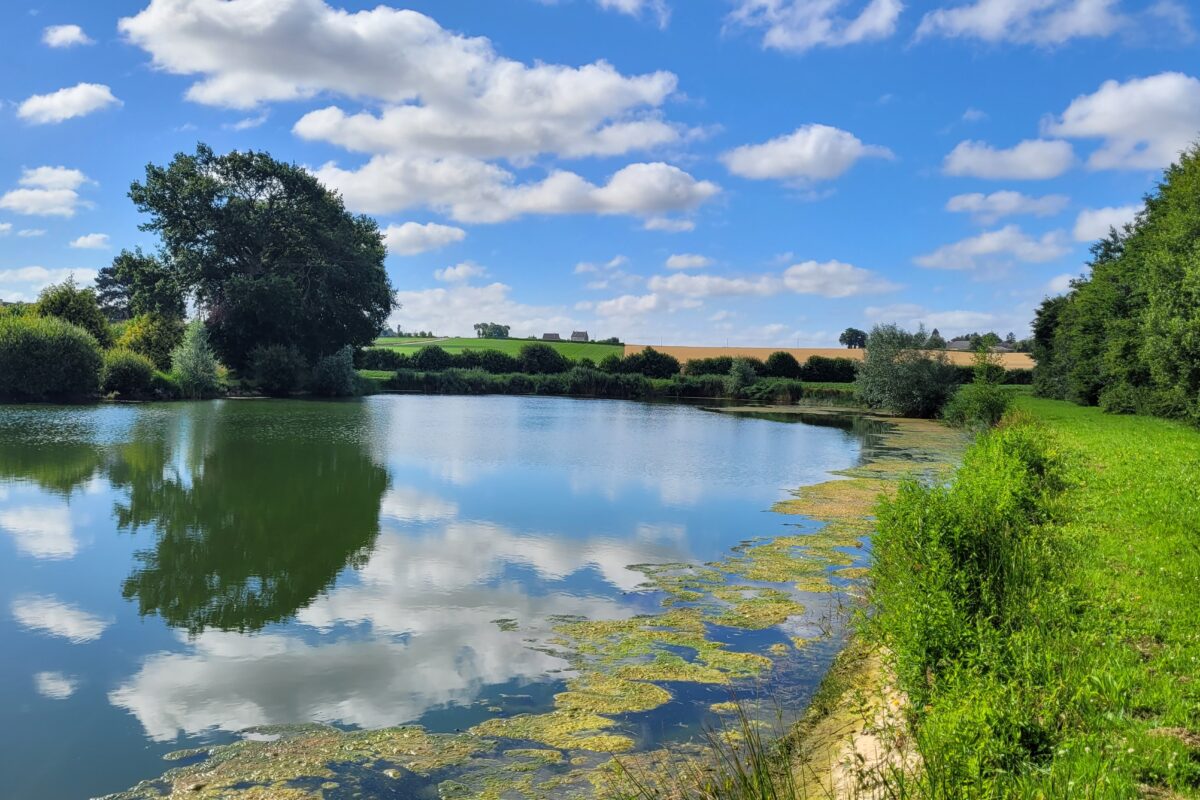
column 572, row 350
column 1042, row 611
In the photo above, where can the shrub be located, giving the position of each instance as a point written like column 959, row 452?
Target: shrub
column 277, row 369
column 899, row 375
column 1018, row 377
column 68, row 302
column 983, row 402
column 718, row 365
column 333, row 375
column 382, row 358
column 154, row 336
column 432, row 359
column 612, row 363
column 47, row 359
column 741, row 375
column 542, row 359
column 193, row 365
column 126, row 373
column 775, row 390
column 781, row 364
column 165, row 387
column 651, row 363
column 498, row 363
column 819, row 369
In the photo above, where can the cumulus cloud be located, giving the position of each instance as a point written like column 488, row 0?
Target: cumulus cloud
column 658, row 9
column 44, row 532
column 1032, row 159
column 75, row 101
column 834, row 279
column 91, row 241
column 24, row 283
column 688, row 261
column 460, row 272
column 55, row 685
column 1143, row 123
column 810, row 153
column 50, row 615
column 65, row 36
column 988, row 208
column 698, row 286
column 454, row 310
column 413, row 238
column 609, row 274
column 1043, row 22
column 630, row 305
column 46, row 191
column 669, row 225
column 1060, row 284
column 470, row 190
column 800, row 25
column 949, row 323
column 1094, row 223
column 996, row 248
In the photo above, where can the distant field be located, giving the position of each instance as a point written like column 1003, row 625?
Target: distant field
column 572, row 350
column 802, row 354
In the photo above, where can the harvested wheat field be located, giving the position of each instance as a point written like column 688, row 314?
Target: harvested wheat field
column 802, row 354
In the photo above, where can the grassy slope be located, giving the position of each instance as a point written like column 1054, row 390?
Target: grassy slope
column 1107, row 684
column 572, row 350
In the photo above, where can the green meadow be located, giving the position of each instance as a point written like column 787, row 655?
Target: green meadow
column 575, row 351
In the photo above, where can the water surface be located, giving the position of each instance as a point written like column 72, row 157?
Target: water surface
column 173, row 574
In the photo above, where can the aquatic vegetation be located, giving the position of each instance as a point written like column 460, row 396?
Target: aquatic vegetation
column 568, row 729
column 607, row 694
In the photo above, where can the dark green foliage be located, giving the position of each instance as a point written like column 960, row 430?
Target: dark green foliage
column 333, row 375
column 164, row 386
column 649, row 362
column 819, row 369
column 432, row 359
column 781, row 364
column 68, row 302
column 578, row 381
column 135, row 284
column 491, row 330
column 495, row 362
column 1127, row 336
column 853, row 338
column 382, row 358
column 984, row 401
column 153, row 335
column 46, row 358
column 935, row 341
column 126, row 373
column 542, row 359
column 898, row 374
column 193, row 365
column 269, row 254
column 278, row 370
column 741, row 376
column 718, row 365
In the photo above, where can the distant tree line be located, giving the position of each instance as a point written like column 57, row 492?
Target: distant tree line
column 1126, row 336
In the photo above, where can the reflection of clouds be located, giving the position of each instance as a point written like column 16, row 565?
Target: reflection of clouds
column 411, row 505
column 41, row 531
column 51, row 615
column 442, row 592
column 55, row 685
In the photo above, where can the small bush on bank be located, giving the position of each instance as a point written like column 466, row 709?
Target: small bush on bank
column 898, row 374
column 983, row 402
column 164, row 386
column 193, row 366
column 278, row 370
column 432, row 359
column 542, row 359
column 382, row 358
column 741, row 375
column 718, row 365
column 334, row 376
column 66, row 301
column 819, row 369
column 781, row 364
column 126, row 373
column 651, row 363
column 46, row 358
column 154, row 336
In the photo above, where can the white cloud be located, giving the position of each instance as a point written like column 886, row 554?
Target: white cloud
column 608, row 274
column 810, row 153
column 636, row 8
column 799, row 25
column 1094, row 223
column 55, row 685
column 46, row 191
column 669, row 225
column 1032, row 159
column 988, row 208
column 698, row 286
column 91, row 241
column 688, row 261
column 24, row 283
column 1060, row 284
column 64, row 36
column 460, row 273
column 30, row 233
column 454, row 310
column 75, row 101
column 995, row 249
column 1143, row 123
column 50, row 615
column 248, row 123
column 40, row 531
column 413, row 238
column 630, row 305
column 1040, row 22
column 474, row 191
column 974, row 115
column 949, row 323
column 834, row 279
column 5, row 228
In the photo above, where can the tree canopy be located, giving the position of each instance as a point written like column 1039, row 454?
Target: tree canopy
column 853, row 338
column 270, row 256
column 136, row 283
column 491, row 330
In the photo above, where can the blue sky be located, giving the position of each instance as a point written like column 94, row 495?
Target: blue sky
column 757, row 172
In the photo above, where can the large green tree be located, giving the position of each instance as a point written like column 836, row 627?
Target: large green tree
column 136, row 283
column 270, row 256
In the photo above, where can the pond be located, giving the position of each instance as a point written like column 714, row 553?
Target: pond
column 172, row 575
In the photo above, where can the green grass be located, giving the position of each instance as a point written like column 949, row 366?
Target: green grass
column 1049, row 635
column 572, row 350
